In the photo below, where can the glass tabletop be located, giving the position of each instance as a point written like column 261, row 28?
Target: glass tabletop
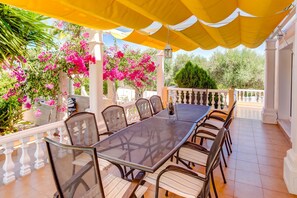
column 145, row 145
column 186, row 112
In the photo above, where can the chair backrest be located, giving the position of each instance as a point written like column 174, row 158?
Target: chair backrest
column 156, row 103
column 230, row 114
column 215, row 150
column 82, row 128
column 114, row 117
column 70, row 180
column 144, row 108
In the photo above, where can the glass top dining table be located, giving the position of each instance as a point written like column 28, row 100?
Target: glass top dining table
column 146, row 145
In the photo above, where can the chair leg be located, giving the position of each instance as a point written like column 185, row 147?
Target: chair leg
column 222, row 171
column 166, row 193
column 229, row 145
column 227, row 148
column 201, row 141
column 222, row 152
column 213, row 185
column 228, row 132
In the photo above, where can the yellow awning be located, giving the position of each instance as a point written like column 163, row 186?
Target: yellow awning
column 143, row 39
column 217, row 10
column 137, row 15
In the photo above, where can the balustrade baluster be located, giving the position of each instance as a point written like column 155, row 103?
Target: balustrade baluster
column 179, row 96
column 212, row 100
column 25, row 158
column 219, row 100
column 190, row 97
column 8, row 165
column 39, row 153
column 201, row 97
column 195, row 96
column 225, row 100
column 207, row 95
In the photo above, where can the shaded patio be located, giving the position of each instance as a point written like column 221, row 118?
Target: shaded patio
column 255, row 168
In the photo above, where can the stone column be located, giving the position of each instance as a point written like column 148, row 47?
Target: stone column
column 160, row 73
column 290, row 162
column 96, row 72
column 269, row 114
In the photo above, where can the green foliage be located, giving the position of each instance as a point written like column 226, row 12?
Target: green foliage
column 20, row 30
column 192, row 76
column 231, row 68
column 238, row 68
column 171, row 67
column 11, row 112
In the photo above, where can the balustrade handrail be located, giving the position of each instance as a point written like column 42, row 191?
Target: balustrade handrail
column 251, row 90
column 30, row 132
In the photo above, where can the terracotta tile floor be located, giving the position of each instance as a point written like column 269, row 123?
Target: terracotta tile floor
column 254, row 168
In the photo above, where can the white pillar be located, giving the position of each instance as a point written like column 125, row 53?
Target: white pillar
column 96, row 72
column 160, row 72
column 290, row 162
column 269, row 113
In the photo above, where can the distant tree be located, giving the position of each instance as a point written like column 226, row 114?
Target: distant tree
column 237, row 68
column 193, row 76
column 172, row 66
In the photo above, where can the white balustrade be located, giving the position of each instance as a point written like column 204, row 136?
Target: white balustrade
column 21, row 141
column 213, row 97
column 252, row 96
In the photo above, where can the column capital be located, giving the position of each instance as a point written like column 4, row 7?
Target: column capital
column 270, row 44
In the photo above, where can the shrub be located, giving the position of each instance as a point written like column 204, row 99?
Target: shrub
column 193, row 76
column 11, row 112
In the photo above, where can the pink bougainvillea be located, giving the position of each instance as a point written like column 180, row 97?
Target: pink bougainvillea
column 135, row 68
column 38, row 77
column 38, row 113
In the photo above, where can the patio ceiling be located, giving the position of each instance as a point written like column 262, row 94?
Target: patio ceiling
column 192, row 23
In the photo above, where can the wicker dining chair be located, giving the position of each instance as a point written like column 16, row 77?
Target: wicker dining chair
column 82, row 130
column 86, row 181
column 144, row 108
column 156, row 103
column 184, row 182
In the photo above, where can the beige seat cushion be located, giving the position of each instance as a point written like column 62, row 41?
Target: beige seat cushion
column 192, row 155
column 201, row 134
column 114, row 187
column 177, row 183
column 214, row 122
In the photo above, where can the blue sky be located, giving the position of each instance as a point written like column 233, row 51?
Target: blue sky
column 109, row 41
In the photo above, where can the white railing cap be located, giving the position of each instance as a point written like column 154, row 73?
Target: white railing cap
column 30, row 132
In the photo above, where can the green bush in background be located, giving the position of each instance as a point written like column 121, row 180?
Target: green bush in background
column 193, row 76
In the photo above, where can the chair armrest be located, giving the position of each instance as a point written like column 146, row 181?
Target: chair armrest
column 216, row 118
column 134, row 184
column 106, row 133
column 207, row 125
column 180, row 170
column 219, row 112
column 195, row 147
column 132, row 123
